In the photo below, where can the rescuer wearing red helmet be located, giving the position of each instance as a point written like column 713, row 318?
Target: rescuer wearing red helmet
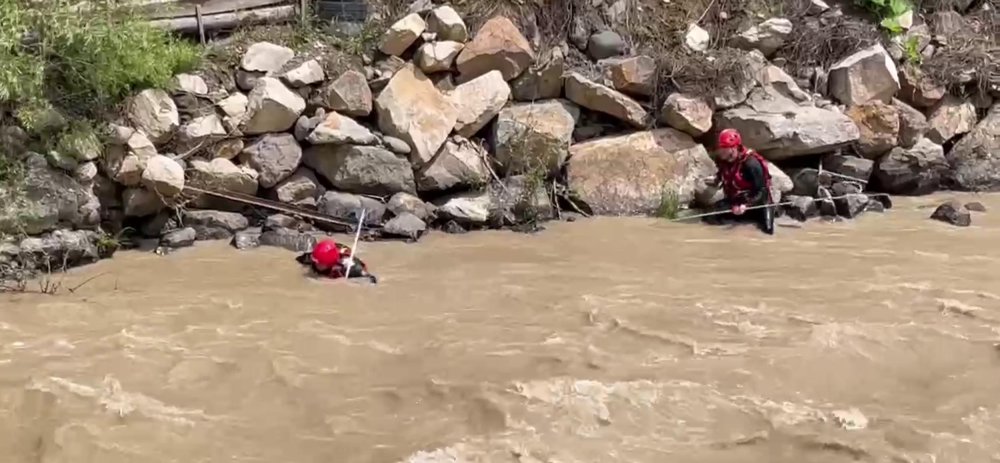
column 330, row 259
column 745, row 179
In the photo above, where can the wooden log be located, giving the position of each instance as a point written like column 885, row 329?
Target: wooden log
column 228, row 20
column 172, row 9
column 201, row 25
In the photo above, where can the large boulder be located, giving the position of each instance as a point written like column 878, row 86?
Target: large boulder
column 154, row 113
column 952, row 116
column 912, row 171
column 498, row 46
column 338, row 129
column 402, row 34
column 221, row 174
column 52, row 199
column 879, row 125
column 164, row 176
column 521, row 199
column 406, row 203
column 139, row 202
column 478, row 101
column 266, row 57
column 630, row 174
column 299, row 186
column 348, row 94
column 405, row 225
column 361, row 169
column 975, row 163
column 953, row 212
column 767, row 37
column 867, row 75
column 412, row 109
column 445, row 22
column 912, row 124
column 635, row 75
column 919, row 90
column 271, row 107
column 691, row 115
column 214, row 225
column 274, row 156
column 543, row 80
column 59, row 250
column 850, row 167
column 460, row 163
column 437, row 56
column 347, row 206
column 467, row 208
column 597, row 97
column 780, row 129
column 534, row 136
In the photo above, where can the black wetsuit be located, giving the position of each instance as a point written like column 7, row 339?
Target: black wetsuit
column 757, row 195
column 358, row 270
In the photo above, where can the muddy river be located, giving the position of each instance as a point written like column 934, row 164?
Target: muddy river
column 604, row 340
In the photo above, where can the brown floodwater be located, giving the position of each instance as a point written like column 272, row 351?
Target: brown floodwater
column 604, row 340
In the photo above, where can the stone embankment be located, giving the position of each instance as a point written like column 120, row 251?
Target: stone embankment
column 461, row 129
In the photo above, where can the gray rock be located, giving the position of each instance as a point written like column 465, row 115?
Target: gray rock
column 600, row 98
column 179, row 238
column 405, row 225
column 139, row 202
column 53, row 199
column 246, row 239
column 522, row 199
column 912, row 171
column 975, row 206
column 802, row 208
column 291, row 240
column 266, row 57
column 459, row 164
column 307, row 73
column 975, row 164
column 534, row 136
column 912, row 124
column 361, row 169
column 302, row 184
column 605, row 44
column 918, row 89
column 466, row 208
column 952, row 116
column 396, row 145
column 304, row 125
column 412, row 109
column 274, row 156
column 155, row 226
column 271, row 107
column 808, row 181
column 850, row 166
column 62, row 161
column 868, row 75
column 767, row 37
column 953, row 212
column 59, row 250
column 852, row 205
column 780, row 129
column 164, row 176
column 214, row 225
column 154, row 113
column 401, row 203
column 348, row 207
column 445, row 22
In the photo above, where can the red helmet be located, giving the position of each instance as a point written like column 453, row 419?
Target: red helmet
column 730, row 138
column 326, row 254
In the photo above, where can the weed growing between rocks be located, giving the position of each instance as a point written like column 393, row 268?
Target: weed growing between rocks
column 670, row 204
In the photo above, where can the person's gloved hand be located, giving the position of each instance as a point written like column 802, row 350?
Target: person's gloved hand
column 739, row 209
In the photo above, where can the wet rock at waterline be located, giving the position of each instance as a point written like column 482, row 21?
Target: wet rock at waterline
column 856, row 168
column 292, row 240
column 630, row 174
column 975, row 206
column 179, row 238
column 802, row 208
column 466, row 208
column 214, row 225
column 953, row 212
column 975, row 159
column 914, row 171
column 59, row 250
column 405, row 225
column 246, row 239
column 348, row 207
column 401, row 203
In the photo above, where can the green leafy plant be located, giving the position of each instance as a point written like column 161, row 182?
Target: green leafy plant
column 670, row 204
column 911, row 47
column 889, row 12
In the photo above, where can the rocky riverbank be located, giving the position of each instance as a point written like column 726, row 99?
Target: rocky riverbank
column 456, row 129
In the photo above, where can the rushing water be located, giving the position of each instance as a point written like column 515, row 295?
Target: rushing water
column 604, row 340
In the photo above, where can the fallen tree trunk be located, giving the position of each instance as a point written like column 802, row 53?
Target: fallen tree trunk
column 173, row 9
column 228, row 20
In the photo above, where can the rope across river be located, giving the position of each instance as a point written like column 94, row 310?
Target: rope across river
column 786, row 203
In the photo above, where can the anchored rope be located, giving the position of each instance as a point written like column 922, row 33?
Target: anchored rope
column 762, row 206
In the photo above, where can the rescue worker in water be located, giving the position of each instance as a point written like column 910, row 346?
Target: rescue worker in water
column 745, row 180
column 329, row 258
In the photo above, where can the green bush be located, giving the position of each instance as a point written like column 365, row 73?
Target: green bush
column 81, row 63
column 888, row 12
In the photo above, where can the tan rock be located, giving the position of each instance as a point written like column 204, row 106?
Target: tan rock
column 498, row 45
column 543, row 80
column 437, row 56
column 222, row 175
column 690, row 115
column 879, row 127
column 307, row 73
column 266, row 57
column 636, row 75
column 190, row 83
column 459, row 164
column 865, row 76
column 952, row 116
column 445, row 22
column 154, row 113
column 234, row 107
column 163, row 176
column 339, row 129
column 199, row 130
column 478, row 101
column 918, row 89
column 600, row 98
column 349, row 94
column 532, row 136
column 912, row 124
column 412, row 109
column 402, row 34
column 272, row 107
column 629, row 174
